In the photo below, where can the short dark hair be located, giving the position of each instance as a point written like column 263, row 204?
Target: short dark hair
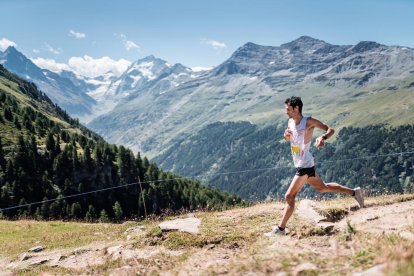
column 294, row 102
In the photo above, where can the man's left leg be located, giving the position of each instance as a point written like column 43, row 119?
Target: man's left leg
column 322, row 187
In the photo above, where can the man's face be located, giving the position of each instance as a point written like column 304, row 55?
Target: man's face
column 290, row 111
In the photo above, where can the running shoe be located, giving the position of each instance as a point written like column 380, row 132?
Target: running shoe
column 276, row 231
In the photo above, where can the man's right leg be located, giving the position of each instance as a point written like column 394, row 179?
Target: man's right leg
column 294, row 188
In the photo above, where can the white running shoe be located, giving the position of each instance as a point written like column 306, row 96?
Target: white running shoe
column 359, row 197
column 276, row 231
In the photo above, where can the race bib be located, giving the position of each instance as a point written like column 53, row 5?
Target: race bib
column 295, row 149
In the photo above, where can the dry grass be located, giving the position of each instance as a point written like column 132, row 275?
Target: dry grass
column 230, row 242
column 19, row 236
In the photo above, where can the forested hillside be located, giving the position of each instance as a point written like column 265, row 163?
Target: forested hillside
column 46, row 155
column 256, row 163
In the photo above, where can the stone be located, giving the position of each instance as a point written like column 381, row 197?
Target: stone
column 189, row 225
column 407, row 235
column 39, row 262
column 6, row 273
column 135, row 229
column 24, row 257
column 377, row 270
column 306, row 211
column 114, row 250
column 305, row 268
column 37, row 248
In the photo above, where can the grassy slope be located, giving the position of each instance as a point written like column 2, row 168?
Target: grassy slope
column 9, row 130
column 13, row 89
column 230, row 242
column 340, row 107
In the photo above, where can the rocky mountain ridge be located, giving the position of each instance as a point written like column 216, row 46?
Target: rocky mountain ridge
column 89, row 97
column 254, row 81
column 61, row 90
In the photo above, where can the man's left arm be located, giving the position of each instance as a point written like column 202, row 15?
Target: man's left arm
column 320, row 141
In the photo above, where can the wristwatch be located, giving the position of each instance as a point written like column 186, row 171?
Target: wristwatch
column 325, row 136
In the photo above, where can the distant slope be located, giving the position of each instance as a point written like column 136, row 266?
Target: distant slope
column 255, row 162
column 46, row 155
column 363, row 84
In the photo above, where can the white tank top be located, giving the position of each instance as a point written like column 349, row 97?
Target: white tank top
column 302, row 157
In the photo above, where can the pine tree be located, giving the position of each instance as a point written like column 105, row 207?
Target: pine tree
column 103, row 216
column 10, row 171
column 117, row 211
column 55, row 209
column 2, row 159
column 90, row 214
column 99, row 155
column 5, row 195
column 87, row 159
column 8, row 115
column 50, row 142
column 76, row 210
column 2, row 97
column 64, row 136
column 17, row 123
column 44, row 208
column 145, row 163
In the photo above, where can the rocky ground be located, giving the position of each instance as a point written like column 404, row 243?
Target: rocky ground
column 324, row 238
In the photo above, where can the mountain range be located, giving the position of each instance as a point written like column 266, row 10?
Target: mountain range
column 336, row 82
column 60, row 88
column 89, row 97
column 167, row 111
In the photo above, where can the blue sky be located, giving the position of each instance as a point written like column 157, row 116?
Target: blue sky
column 90, row 33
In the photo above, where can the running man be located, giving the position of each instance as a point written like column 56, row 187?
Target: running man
column 299, row 132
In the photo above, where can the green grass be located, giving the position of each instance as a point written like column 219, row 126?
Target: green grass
column 17, row 237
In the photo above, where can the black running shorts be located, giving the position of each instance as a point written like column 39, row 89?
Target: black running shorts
column 306, row 171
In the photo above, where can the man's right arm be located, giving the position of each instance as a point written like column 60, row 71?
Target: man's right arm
column 287, row 133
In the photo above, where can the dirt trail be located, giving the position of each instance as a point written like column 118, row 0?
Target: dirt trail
column 393, row 218
column 382, row 219
column 261, row 255
column 268, row 255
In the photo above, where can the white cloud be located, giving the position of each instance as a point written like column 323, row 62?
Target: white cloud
column 36, row 51
column 128, row 44
column 86, row 65
column 214, row 43
column 91, row 67
column 53, row 50
column 77, row 34
column 50, row 64
column 5, row 43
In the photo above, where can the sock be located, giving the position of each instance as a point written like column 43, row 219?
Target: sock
column 281, row 229
column 353, row 193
